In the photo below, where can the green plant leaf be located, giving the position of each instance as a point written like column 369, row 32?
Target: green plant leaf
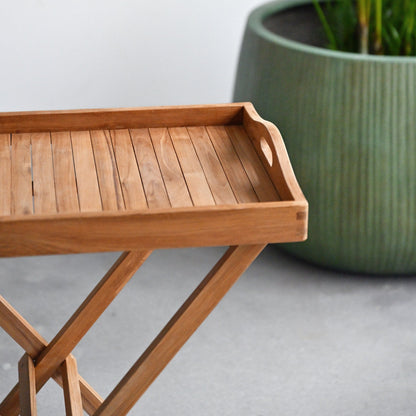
column 327, row 28
column 374, row 26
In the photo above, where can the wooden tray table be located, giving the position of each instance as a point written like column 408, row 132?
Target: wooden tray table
column 135, row 180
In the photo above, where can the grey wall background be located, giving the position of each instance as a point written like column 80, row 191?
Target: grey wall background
column 57, row 54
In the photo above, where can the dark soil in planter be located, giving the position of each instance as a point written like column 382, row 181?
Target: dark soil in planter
column 300, row 23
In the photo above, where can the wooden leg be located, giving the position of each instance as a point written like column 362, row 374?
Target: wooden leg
column 33, row 343
column 19, row 329
column 78, row 325
column 27, row 386
column 49, row 357
column 182, row 325
column 72, row 392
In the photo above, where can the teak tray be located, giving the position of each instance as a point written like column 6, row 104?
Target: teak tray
column 128, row 179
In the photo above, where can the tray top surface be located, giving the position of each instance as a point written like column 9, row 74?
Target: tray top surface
column 130, row 169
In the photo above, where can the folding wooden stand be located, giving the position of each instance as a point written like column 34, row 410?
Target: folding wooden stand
column 135, row 180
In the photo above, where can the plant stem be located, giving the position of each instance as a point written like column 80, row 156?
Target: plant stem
column 364, row 39
column 378, row 46
column 363, row 11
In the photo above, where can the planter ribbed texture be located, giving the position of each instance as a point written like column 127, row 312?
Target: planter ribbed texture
column 349, row 123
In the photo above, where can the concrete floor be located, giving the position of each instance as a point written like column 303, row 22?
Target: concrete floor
column 289, row 339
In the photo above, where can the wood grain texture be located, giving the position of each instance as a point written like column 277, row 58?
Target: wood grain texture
column 136, row 180
column 169, row 166
column 131, row 183
column 49, row 360
column 5, row 175
column 85, row 172
column 19, row 329
column 33, row 343
column 90, row 310
column 64, row 173
column 184, row 227
column 22, row 201
column 153, row 184
column 191, row 167
column 113, row 118
column 214, row 173
column 241, row 185
column 27, row 385
column 42, row 169
column 280, row 171
column 147, row 172
column 72, row 391
column 107, row 172
column 259, row 178
column 178, row 330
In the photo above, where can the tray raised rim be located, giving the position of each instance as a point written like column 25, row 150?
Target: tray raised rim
column 261, row 222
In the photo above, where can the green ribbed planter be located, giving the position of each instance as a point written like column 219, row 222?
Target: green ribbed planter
column 349, row 124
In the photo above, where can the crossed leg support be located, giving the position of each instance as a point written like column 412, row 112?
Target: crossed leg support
column 43, row 361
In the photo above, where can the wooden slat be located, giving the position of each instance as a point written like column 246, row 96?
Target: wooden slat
column 85, row 173
column 169, row 166
column 22, row 202
column 194, row 175
column 27, row 385
column 178, row 330
column 72, row 392
column 107, row 173
column 153, row 184
column 214, row 172
column 131, row 183
column 33, row 343
column 262, row 184
column 5, row 175
column 242, row 188
column 43, row 177
column 64, row 173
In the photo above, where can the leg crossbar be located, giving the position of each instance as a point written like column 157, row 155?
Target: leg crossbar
column 43, row 361
column 33, row 343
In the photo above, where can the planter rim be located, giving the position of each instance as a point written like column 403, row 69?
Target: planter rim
column 258, row 16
